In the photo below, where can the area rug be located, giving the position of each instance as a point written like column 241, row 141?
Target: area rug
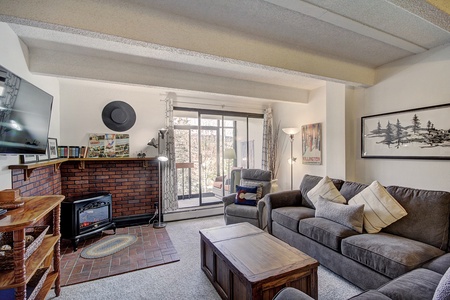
column 108, row 246
column 152, row 247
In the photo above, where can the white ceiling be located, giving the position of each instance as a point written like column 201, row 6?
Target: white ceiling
column 274, row 49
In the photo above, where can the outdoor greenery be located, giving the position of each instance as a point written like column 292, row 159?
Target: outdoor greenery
column 187, row 150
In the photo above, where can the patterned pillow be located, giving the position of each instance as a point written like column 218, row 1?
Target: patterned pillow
column 327, row 190
column 442, row 291
column 259, row 186
column 246, row 195
column 263, row 186
column 380, row 208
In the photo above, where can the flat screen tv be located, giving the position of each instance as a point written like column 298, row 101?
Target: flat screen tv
column 25, row 112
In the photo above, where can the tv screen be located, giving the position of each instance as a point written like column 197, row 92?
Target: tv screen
column 25, row 112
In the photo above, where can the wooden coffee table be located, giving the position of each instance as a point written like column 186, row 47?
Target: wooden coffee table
column 244, row 262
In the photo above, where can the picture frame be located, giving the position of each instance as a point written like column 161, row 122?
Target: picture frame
column 312, row 144
column 420, row 133
column 28, row 158
column 52, row 148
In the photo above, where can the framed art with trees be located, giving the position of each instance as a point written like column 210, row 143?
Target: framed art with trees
column 422, row 133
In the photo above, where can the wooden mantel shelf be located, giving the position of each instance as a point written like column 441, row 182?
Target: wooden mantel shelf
column 29, row 168
column 83, row 160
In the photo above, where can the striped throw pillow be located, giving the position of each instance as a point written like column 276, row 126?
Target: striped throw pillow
column 327, row 190
column 380, row 208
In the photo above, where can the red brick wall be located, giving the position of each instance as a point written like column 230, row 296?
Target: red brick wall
column 43, row 181
column 134, row 187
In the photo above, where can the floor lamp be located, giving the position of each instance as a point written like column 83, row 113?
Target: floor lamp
column 291, row 132
column 161, row 146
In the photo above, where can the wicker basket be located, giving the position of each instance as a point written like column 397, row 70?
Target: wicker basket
column 36, row 282
column 6, row 238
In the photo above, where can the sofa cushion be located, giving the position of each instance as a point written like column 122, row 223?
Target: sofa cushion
column 325, row 188
column 428, row 216
column 442, row 291
column 380, row 208
column 418, row 284
column 388, row 254
column 310, row 181
column 439, row 264
column 370, row 295
column 289, row 216
column 324, row 231
column 243, row 211
column 350, row 189
column 351, row 216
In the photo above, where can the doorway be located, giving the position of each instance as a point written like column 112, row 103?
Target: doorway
column 209, row 147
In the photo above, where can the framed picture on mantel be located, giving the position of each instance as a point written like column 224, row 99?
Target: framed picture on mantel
column 52, row 148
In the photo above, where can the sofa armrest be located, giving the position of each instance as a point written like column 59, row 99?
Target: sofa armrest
column 262, row 213
column 280, row 199
column 290, row 293
column 284, row 198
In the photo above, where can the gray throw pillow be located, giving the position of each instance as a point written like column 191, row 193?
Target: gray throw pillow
column 443, row 289
column 351, row 216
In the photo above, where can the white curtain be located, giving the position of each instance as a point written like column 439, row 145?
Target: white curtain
column 268, row 145
column 169, row 178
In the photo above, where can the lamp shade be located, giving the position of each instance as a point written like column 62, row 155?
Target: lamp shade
column 163, row 158
column 291, row 130
column 229, row 154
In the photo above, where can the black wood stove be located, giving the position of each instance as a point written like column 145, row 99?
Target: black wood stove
column 86, row 215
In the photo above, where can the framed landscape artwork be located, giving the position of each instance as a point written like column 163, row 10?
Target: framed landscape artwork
column 312, row 144
column 422, row 133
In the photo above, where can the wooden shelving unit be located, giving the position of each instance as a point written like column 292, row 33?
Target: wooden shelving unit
column 16, row 221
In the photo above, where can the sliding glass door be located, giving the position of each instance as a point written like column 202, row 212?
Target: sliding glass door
column 209, row 147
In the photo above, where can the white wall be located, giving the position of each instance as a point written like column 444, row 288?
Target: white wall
column 420, row 81
column 335, row 130
column 296, row 115
column 14, row 58
column 83, row 102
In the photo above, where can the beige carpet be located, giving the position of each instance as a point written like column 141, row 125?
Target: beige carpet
column 183, row 279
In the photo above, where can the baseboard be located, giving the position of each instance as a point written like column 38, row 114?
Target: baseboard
column 182, row 214
column 133, row 220
column 198, row 212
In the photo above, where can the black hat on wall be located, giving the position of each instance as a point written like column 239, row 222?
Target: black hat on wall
column 118, row 116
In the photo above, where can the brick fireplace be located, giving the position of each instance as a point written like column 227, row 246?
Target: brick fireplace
column 133, row 185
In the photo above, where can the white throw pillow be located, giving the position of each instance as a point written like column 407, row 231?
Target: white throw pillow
column 327, row 190
column 380, row 208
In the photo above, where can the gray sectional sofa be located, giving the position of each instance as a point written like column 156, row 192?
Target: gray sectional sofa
column 419, row 240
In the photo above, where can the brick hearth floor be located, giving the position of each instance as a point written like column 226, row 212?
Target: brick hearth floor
column 153, row 247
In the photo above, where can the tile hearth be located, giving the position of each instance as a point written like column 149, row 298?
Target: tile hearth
column 152, row 248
